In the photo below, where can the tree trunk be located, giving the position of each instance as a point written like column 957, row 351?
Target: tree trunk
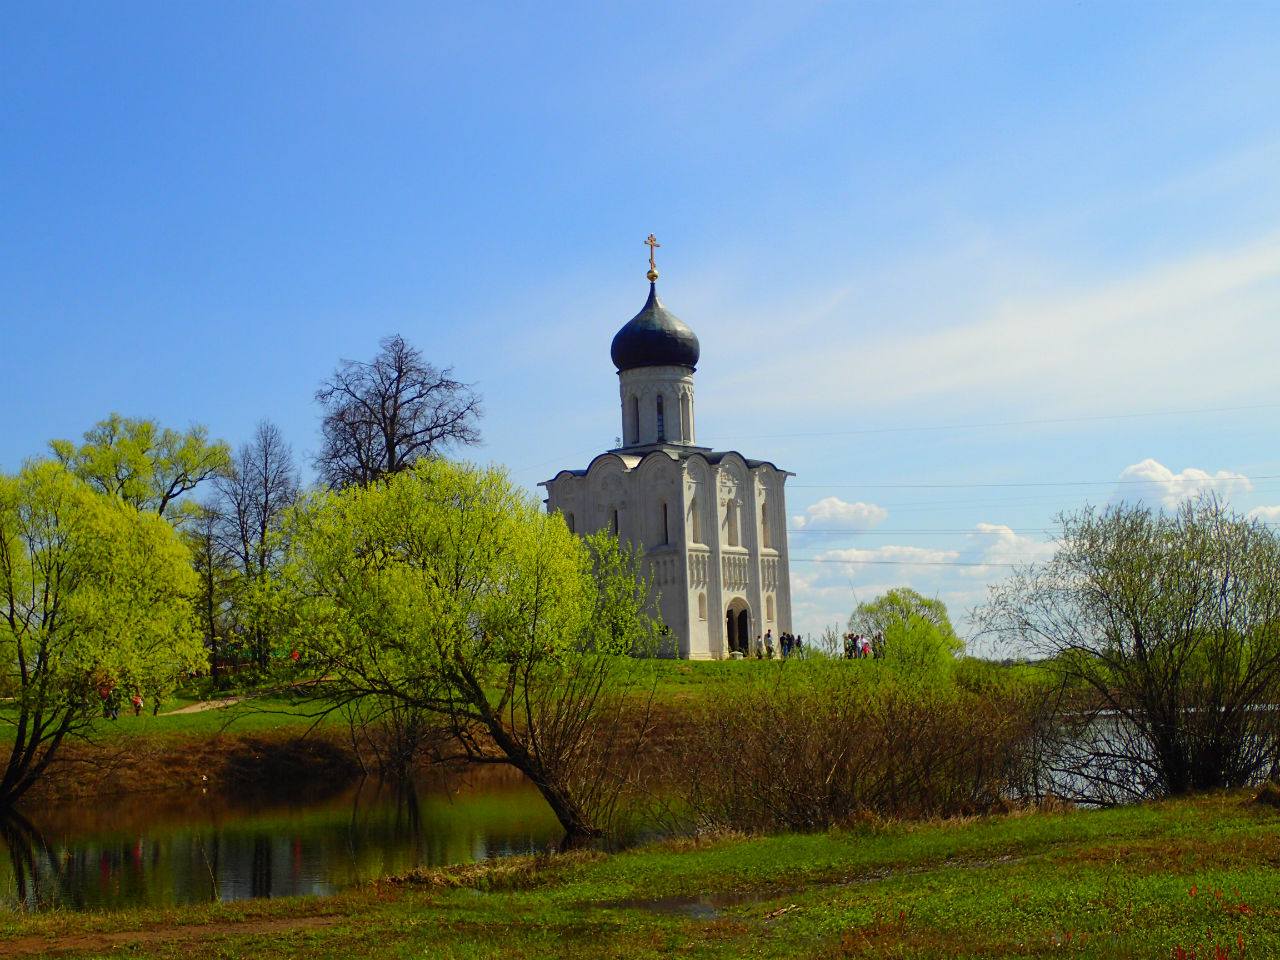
column 578, row 828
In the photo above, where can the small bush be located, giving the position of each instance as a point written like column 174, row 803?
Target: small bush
column 1268, row 794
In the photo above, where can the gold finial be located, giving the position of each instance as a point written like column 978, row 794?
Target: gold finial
column 653, row 269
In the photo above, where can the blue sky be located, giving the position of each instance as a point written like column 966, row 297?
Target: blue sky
column 958, row 267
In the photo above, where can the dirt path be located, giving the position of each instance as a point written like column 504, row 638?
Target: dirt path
column 205, row 705
column 37, row 946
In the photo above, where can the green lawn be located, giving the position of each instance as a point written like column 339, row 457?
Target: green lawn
column 257, row 713
column 1197, row 875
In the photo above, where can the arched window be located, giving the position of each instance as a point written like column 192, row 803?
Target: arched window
column 664, row 531
column 702, row 606
column 662, row 430
column 635, row 419
column 731, row 521
column 613, row 522
column 765, row 539
column 695, row 522
column 686, row 419
column 768, row 608
column 568, row 519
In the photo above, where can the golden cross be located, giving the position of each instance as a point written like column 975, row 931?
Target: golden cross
column 651, row 243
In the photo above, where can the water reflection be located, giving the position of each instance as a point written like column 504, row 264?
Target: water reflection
column 27, row 849
column 166, row 850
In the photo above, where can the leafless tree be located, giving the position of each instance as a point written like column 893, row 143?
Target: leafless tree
column 261, row 487
column 215, row 565
column 381, row 416
column 1164, row 631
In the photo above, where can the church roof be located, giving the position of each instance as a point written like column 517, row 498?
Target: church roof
column 630, row 461
column 654, row 337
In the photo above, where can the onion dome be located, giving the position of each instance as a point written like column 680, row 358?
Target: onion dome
column 655, row 337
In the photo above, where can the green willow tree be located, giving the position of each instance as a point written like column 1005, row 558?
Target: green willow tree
column 95, row 597
column 445, row 589
column 143, row 464
column 909, row 628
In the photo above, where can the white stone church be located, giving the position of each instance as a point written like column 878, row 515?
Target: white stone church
column 711, row 524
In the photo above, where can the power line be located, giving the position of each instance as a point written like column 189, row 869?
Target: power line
column 828, row 531
column 1194, row 482
column 918, row 563
column 967, row 531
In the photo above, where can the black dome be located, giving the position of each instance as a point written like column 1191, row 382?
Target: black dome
column 654, row 337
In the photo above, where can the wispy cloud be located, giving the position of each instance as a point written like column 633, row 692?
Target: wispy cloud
column 1117, row 347
column 906, row 558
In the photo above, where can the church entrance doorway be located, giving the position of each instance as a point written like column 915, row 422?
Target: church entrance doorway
column 737, row 628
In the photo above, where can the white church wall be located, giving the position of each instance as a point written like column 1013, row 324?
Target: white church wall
column 773, row 557
column 639, row 390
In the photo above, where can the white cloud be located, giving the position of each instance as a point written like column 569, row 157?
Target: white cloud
column 1265, row 514
column 834, row 512
column 1153, row 482
column 995, row 549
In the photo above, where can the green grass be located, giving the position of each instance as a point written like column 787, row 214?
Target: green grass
column 253, row 715
column 258, row 713
column 679, row 680
column 674, row 682
column 1140, row 881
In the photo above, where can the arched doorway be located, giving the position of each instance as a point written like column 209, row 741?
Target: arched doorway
column 737, row 627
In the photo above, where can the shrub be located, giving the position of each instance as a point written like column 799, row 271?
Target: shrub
column 817, row 746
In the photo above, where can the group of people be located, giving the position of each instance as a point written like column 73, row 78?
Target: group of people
column 788, row 645
column 112, row 698
column 857, row 646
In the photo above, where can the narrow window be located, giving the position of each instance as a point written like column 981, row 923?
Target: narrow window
column 702, row 606
column 613, row 523
column 695, row 522
column 662, row 430
column 666, row 531
column 768, row 608
column 731, row 521
column 635, row 419
column 568, row 519
column 765, row 539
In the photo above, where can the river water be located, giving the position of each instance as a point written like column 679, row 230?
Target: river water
column 170, row 849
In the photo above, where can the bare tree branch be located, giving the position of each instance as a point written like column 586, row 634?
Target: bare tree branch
column 382, row 416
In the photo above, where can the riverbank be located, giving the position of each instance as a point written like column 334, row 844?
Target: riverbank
column 275, row 737
column 228, row 744
column 222, row 740
column 1195, row 875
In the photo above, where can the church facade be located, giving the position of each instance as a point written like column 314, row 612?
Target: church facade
column 711, row 525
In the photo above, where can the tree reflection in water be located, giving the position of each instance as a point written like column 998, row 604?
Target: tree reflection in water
column 27, row 849
column 164, row 850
